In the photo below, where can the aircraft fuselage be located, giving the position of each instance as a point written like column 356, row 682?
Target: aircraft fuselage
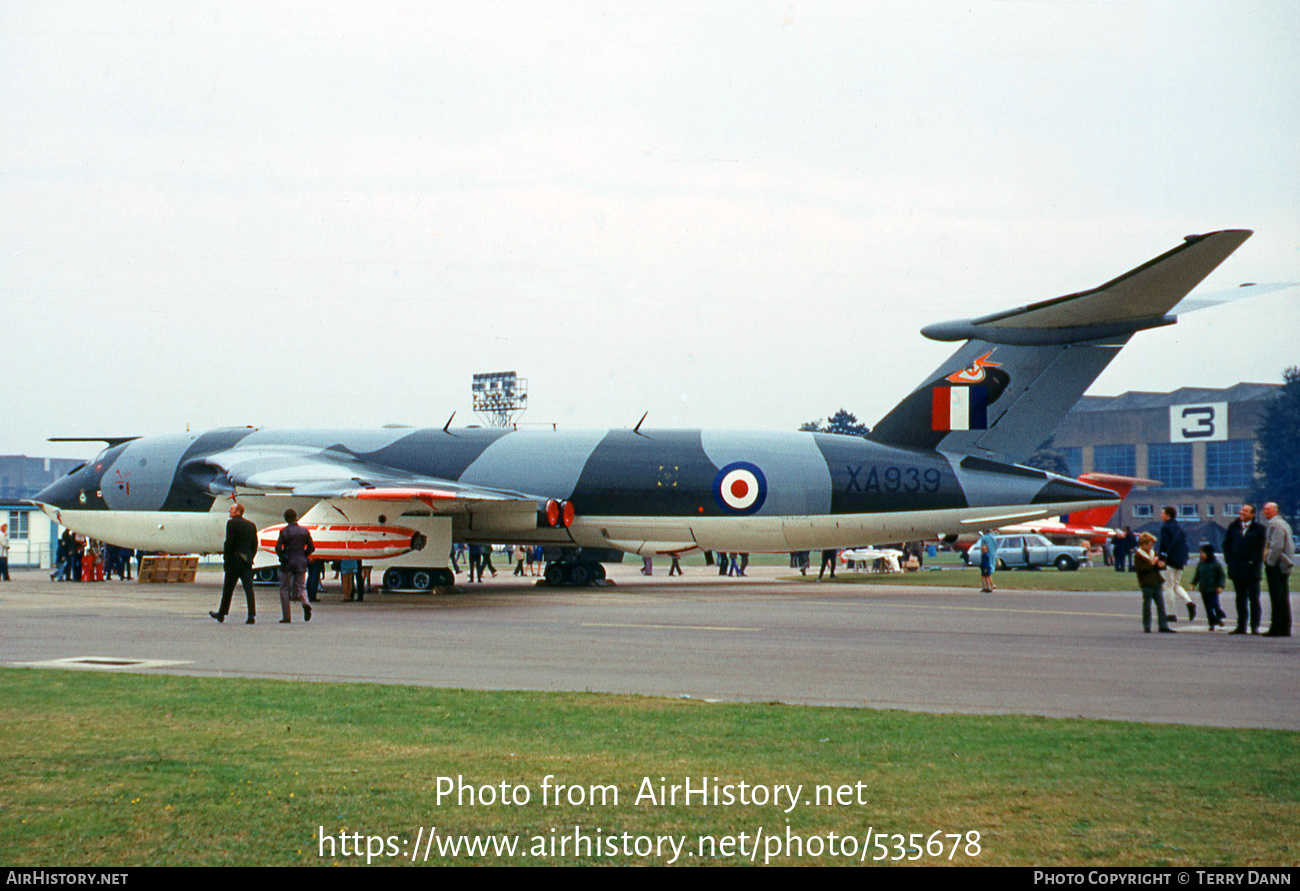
column 642, row 491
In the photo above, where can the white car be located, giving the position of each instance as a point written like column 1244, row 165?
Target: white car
column 1026, row 551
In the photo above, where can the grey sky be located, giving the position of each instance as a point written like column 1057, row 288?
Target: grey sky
column 730, row 215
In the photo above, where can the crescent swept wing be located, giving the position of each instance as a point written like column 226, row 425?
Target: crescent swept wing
column 306, row 472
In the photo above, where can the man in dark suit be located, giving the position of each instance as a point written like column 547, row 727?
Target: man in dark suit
column 294, row 548
column 1119, row 549
column 1243, row 552
column 237, row 559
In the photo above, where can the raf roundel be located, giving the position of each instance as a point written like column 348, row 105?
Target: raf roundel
column 740, row 488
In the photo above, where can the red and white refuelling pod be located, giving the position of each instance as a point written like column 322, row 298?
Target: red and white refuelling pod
column 351, row 542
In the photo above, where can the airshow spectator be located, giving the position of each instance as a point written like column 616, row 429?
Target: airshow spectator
column 1149, row 578
column 989, row 541
column 828, row 559
column 1279, row 553
column 1210, row 579
column 294, row 548
column 237, row 560
column 1173, row 559
column 1243, row 551
column 1119, row 548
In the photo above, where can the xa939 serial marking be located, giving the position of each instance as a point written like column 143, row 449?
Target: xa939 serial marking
column 893, row 479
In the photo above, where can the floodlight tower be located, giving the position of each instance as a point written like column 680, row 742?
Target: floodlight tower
column 499, row 396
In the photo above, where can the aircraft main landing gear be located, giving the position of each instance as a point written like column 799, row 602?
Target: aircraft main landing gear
column 579, row 574
column 397, row 578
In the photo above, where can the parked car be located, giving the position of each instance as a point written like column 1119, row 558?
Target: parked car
column 1031, row 551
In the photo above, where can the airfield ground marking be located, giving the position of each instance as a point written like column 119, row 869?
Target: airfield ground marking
column 669, row 627
column 1007, row 609
column 927, row 606
column 102, row 662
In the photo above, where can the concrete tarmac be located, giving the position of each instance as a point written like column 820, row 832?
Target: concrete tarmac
column 929, row 649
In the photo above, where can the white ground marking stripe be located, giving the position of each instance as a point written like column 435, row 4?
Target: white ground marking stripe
column 109, row 663
column 672, row 627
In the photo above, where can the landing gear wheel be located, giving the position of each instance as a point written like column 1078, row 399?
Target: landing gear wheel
column 422, row 580
column 579, row 575
column 394, row 579
column 554, row 574
column 597, row 572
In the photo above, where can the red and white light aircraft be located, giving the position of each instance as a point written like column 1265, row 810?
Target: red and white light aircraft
column 1088, row 525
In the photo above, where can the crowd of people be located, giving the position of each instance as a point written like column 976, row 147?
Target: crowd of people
column 1252, row 551
column 81, row 559
column 528, row 560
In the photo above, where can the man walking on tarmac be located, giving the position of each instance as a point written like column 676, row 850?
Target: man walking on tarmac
column 237, row 560
column 294, row 548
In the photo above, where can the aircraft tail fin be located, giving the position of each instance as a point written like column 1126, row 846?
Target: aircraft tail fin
column 1003, row 392
column 1120, row 485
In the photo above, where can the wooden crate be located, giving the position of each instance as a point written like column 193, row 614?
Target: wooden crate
column 165, row 568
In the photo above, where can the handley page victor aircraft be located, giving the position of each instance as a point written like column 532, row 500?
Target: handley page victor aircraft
column 943, row 461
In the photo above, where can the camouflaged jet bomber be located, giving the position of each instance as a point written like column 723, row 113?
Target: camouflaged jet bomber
column 943, row 462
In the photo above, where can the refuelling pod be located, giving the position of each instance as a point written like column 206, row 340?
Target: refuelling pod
column 351, row 541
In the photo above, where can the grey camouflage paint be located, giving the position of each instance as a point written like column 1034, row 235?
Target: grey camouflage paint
column 1021, row 369
column 615, row 473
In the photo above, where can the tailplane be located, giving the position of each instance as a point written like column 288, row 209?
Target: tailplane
column 1004, row 392
column 1120, row 485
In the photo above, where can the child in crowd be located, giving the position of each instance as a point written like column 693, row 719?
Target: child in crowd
column 1210, row 579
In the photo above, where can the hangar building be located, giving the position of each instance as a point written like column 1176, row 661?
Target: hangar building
column 1200, row 443
column 31, row 535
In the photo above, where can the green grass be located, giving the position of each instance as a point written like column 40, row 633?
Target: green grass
column 132, row 769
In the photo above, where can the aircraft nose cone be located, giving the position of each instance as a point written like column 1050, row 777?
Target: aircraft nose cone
column 74, row 491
